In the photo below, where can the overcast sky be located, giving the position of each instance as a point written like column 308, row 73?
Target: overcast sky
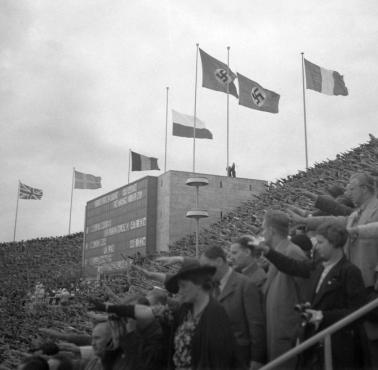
column 82, row 82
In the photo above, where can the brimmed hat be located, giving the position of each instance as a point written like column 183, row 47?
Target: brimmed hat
column 190, row 266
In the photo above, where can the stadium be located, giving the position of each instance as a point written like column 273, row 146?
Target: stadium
column 188, row 185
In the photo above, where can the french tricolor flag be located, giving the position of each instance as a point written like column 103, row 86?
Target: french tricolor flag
column 183, row 125
column 324, row 80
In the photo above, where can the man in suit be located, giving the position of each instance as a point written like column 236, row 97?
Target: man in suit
column 362, row 252
column 282, row 292
column 337, row 289
column 244, row 260
column 241, row 299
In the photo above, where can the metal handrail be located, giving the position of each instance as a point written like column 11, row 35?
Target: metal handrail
column 326, row 333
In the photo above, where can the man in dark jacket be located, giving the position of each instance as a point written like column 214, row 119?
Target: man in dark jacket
column 241, row 300
column 337, row 290
column 244, row 260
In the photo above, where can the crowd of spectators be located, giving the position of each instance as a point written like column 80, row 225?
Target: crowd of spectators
column 56, row 262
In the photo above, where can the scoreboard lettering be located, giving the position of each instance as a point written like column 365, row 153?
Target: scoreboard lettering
column 120, row 223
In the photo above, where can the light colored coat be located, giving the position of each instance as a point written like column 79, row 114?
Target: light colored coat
column 282, row 293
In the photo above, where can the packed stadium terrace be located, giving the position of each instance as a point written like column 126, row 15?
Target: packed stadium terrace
column 55, row 263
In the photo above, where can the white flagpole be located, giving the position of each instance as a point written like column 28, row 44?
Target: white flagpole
column 15, row 219
column 228, row 108
column 304, row 110
column 166, row 131
column 195, row 113
column 72, row 187
column 128, row 174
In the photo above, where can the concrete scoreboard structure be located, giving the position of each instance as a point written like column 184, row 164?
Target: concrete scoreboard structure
column 220, row 196
column 148, row 215
column 120, row 223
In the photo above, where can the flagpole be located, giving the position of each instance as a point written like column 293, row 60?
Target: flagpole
column 195, row 113
column 128, row 174
column 304, row 110
column 228, row 108
column 83, row 248
column 72, row 187
column 15, row 220
column 166, row 130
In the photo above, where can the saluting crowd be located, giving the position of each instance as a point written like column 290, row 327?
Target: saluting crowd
column 244, row 304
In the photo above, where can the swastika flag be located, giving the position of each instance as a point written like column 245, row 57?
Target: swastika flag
column 254, row 96
column 216, row 75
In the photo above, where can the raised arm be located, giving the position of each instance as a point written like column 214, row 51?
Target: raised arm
column 138, row 312
column 331, row 206
column 288, row 265
column 313, row 222
column 368, row 231
column 154, row 275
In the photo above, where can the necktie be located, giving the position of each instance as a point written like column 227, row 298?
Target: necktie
column 355, row 218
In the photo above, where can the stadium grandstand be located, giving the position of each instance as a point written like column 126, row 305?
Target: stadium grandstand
column 54, row 264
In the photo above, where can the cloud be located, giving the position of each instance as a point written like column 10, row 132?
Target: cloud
column 84, row 82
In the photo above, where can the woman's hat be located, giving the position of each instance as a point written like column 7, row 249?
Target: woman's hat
column 190, row 266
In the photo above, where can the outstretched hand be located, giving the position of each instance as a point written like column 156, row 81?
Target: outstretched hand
column 68, row 347
column 259, row 245
column 95, row 304
column 170, row 260
column 295, row 218
column 51, row 333
column 309, row 194
column 299, row 211
column 142, row 270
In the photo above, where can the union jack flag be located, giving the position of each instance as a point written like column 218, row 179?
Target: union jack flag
column 27, row 192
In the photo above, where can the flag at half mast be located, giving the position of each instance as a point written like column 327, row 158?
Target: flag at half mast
column 183, row 125
column 141, row 162
column 324, row 80
column 216, row 75
column 27, row 192
column 86, row 181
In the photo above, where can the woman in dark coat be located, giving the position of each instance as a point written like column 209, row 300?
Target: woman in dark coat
column 199, row 331
column 337, row 289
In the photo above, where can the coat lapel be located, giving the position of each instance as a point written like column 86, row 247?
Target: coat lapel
column 314, row 283
column 367, row 213
column 251, row 269
column 329, row 283
column 229, row 287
